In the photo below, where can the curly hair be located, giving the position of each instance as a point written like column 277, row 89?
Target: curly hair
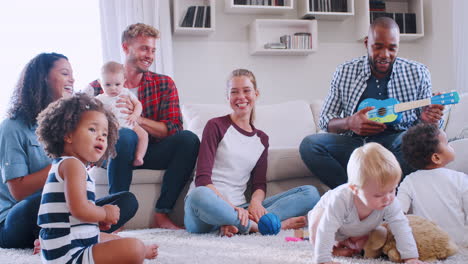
column 419, row 143
column 62, row 117
column 32, row 94
column 139, row 29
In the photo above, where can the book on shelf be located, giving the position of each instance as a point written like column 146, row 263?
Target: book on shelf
column 274, row 45
column 409, row 23
column 260, row 2
column 328, row 5
column 377, row 5
column 199, row 17
column 189, row 17
column 208, row 17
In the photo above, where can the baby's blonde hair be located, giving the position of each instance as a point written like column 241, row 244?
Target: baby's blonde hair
column 112, row 67
column 373, row 161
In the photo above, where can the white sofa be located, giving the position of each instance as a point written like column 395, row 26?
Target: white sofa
column 286, row 124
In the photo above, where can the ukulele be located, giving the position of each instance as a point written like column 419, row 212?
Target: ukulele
column 388, row 110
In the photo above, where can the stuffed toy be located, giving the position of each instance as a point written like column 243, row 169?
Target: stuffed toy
column 433, row 243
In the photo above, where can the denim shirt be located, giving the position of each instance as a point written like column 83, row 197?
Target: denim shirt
column 20, row 155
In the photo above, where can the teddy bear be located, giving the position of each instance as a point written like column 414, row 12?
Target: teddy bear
column 433, row 243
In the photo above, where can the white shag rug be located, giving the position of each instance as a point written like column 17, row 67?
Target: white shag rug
column 181, row 247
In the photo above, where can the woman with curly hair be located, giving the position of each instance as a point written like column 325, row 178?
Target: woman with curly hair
column 23, row 163
column 77, row 131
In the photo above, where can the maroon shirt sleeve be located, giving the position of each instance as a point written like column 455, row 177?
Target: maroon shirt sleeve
column 259, row 172
column 213, row 133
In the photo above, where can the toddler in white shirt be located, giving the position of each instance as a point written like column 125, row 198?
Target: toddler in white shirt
column 340, row 222
column 433, row 191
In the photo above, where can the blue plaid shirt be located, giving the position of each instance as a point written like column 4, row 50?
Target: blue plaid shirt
column 409, row 81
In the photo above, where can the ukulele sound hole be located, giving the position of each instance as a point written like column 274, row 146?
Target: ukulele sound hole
column 382, row 111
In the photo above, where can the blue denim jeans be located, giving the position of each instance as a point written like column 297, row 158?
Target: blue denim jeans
column 206, row 212
column 176, row 154
column 20, row 229
column 327, row 154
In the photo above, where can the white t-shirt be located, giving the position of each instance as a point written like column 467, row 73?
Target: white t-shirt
column 111, row 102
column 340, row 220
column 440, row 195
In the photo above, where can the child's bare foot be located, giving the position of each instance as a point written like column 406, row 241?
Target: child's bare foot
column 151, row 251
column 37, row 247
column 228, row 230
column 294, row 222
column 161, row 220
column 138, row 162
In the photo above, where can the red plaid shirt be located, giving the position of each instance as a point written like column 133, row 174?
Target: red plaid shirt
column 158, row 95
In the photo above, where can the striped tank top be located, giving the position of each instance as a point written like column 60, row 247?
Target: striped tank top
column 64, row 239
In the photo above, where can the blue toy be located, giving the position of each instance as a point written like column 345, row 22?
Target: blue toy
column 269, row 224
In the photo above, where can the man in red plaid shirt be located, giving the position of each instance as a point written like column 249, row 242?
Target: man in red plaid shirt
column 170, row 147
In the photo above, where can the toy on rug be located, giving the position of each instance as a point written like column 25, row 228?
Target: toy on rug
column 269, row 224
column 433, row 243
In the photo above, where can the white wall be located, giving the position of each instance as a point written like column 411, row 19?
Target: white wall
column 202, row 63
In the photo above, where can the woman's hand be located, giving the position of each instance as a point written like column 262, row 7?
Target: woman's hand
column 243, row 215
column 256, row 211
column 126, row 104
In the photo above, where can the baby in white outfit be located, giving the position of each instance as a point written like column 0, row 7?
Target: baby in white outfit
column 112, row 81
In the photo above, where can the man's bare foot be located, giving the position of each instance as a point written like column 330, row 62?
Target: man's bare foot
column 37, row 247
column 228, row 230
column 161, row 220
column 138, row 162
column 151, row 251
column 294, row 222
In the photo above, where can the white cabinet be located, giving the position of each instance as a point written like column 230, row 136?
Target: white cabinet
column 263, row 31
column 186, row 14
column 328, row 9
column 258, row 7
column 363, row 16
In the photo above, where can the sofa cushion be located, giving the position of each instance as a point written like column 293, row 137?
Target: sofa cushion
column 286, row 124
column 285, row 163
column 140, row 176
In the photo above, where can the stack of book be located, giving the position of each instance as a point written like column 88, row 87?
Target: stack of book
column 300, row 40
column 197, row 16
column 406, row 21
column 260, row 2
column 329, row 5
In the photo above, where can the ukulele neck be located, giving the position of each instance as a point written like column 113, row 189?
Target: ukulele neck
column 411, row 105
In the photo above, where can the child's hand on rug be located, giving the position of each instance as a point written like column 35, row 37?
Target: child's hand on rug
column 151, row 251
column 414, row 261
column 37, row 247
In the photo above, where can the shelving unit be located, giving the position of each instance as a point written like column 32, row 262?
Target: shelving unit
column 305, row 11
column 362, row 20
column 180, row 8
column 230, row 7
column 262, row 31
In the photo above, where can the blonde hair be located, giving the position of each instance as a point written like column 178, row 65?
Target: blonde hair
column 245, row 73
column 112, row 67
column 139, row 29
column 373, row 162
